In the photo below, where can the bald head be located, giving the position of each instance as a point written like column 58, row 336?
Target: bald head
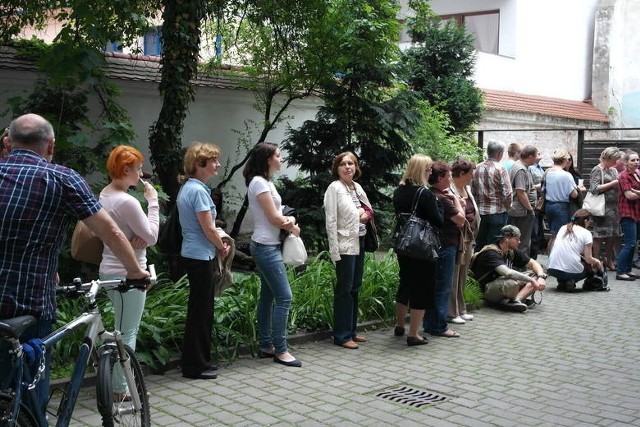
column 33, row 132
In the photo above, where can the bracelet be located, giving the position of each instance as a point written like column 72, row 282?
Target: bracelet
column 542, row 276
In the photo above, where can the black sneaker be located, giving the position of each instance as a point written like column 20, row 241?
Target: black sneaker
column 514, row 305
column 530, row 303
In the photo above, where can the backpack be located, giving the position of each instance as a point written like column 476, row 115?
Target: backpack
column 170, row 235
column 596, row 281
column 170, row 243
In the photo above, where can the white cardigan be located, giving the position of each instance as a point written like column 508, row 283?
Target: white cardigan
column 342, row 220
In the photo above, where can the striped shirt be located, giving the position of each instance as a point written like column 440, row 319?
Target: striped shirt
column 491, row 187
column 38, row 202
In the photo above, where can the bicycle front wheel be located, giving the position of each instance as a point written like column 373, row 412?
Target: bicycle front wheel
column 120, row 408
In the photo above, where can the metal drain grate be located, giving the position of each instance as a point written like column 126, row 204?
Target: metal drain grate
column 411, row 396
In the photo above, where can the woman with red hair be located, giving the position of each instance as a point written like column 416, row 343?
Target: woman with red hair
column 124, row 166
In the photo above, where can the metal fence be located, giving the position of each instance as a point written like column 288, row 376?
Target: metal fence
column 589, row 146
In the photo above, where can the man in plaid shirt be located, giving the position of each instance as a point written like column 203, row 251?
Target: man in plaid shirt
column 492, row 189
column 38, row 202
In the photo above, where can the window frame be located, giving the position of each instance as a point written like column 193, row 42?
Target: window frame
column 459, row 18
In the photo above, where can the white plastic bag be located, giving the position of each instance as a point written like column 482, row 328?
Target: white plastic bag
column 293, row 251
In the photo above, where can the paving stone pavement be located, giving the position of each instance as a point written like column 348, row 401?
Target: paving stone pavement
column 572, row 361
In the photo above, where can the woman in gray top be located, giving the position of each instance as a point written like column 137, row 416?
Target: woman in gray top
column 604, row 179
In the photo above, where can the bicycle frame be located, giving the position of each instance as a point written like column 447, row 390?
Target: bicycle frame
column 95, row 332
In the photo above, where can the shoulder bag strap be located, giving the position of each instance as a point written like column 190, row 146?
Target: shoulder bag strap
column 601, row 175
column 416, row 199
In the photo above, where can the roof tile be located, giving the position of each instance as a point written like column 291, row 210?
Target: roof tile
column 124, row 66
column 517, row 102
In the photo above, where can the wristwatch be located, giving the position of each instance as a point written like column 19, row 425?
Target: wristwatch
column 542, row 276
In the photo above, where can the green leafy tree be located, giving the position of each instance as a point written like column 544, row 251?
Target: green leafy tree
column 440, row 67
column 435, row 138
column 363, row 112
column 87, row 23
column 282, row 54
column 70, row 76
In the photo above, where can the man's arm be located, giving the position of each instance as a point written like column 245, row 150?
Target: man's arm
column 539, row 280
column 108, row 231
column 534, row 266
column 507, row 272
column 523, row 198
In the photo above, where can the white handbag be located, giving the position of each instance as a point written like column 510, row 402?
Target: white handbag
column 594, row 203
column 293, row 251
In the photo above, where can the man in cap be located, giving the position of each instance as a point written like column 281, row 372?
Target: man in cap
column 493, row 267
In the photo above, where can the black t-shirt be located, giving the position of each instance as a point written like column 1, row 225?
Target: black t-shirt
column 485, row 263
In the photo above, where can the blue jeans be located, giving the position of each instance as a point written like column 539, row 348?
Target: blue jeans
column 558, row 214
column 630, row 235
column 564, row 276
column 435, row 318
column 272, row 318
column 349, row 272
column 489, row 229
column 40, row 330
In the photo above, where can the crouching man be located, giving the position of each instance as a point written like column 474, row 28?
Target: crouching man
column 504, row 287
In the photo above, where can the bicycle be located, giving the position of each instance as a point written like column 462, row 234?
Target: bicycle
column 18, row 400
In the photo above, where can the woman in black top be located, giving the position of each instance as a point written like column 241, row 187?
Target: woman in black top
column 415, row 290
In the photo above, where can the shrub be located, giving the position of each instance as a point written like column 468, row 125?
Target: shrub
column 235, row 325
column 473, row 296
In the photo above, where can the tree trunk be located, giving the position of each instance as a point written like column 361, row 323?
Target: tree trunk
column 180, row 49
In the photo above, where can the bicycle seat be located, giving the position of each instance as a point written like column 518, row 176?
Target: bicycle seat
column 13, row 328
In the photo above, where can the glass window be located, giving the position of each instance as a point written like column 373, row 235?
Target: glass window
column 113, row 47
column 153, row 42
column 485, row 27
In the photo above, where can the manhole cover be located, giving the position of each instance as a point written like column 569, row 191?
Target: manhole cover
column 411, row 396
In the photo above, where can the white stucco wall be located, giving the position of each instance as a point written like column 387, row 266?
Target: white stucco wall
column 214, row 116
column 545, row 45
column 624, row 68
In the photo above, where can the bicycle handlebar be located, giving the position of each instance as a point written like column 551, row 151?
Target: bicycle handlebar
column 121, row 285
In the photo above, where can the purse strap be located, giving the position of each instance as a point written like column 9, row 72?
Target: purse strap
column 601, row 175
column 416, row 199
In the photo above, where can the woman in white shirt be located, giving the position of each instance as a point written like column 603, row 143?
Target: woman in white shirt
column 124, row 166
column 571, row 259
column 347, row 210
column 265, row 205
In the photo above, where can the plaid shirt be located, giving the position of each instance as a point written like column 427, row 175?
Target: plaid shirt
column 491, row 187
column 38, row 201
column 628, row 208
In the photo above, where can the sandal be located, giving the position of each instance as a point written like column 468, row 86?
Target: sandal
column 449, row 333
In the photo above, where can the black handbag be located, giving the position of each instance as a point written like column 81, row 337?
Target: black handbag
column 416, row 237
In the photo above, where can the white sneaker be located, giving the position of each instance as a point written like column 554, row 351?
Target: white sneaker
column 457, row 320
column 466, row 316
